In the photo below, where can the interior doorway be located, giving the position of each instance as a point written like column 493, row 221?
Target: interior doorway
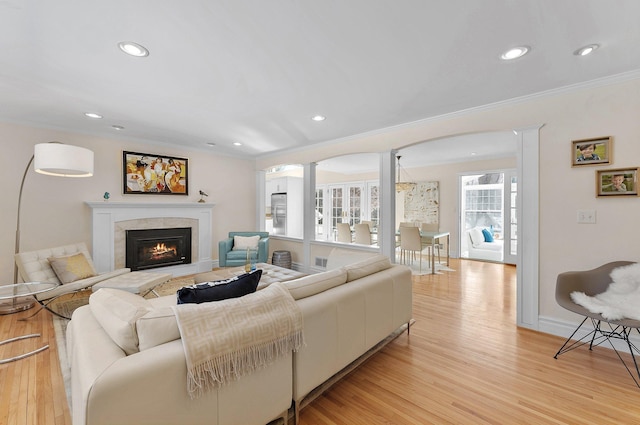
column 488, row 218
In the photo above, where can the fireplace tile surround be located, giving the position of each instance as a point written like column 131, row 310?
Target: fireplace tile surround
column 110, row 220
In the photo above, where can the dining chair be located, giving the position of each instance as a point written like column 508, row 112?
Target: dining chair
column 374, row 236
column 344, row 232
column 431, row 227
column 362, row 234
column 410, row 241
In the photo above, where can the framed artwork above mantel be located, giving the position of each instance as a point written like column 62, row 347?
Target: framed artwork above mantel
column 150, row 174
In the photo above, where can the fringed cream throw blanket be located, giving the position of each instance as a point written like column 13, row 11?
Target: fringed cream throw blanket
column 227, row 339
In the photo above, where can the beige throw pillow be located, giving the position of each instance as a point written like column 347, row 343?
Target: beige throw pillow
column 245, row 242
column 69, row 268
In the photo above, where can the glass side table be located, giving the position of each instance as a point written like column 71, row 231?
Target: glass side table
column 12, row 293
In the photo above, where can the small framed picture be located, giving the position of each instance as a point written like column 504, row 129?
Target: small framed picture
column 619, row 182
column 591, row 151
column 144, row 173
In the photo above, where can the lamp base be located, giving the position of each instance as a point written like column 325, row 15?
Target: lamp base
column 15, row 307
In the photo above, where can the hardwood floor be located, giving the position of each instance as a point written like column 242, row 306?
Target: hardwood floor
column 464, row 362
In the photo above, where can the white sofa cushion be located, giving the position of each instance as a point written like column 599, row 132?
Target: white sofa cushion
column 476, row 236
column 314, row 284
column 117, row 312
column 343, row 257
column 366, row 267
column 157, row 327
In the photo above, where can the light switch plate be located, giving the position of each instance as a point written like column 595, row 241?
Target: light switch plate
column 586, row 216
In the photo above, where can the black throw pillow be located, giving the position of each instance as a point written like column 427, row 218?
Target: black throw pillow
column 235, row 287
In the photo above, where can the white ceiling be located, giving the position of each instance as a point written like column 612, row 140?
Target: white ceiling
column 256, row 71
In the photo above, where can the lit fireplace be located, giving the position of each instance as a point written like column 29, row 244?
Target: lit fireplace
column 151, row 248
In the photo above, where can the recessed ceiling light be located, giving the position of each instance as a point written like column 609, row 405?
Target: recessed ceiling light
column 92, row 115
column 586, row 50
column 473, row 154
column 319, row 118
column 117, row 127
column 211, row 144
column 133, row 49
column 237, row 144
column 515, row 53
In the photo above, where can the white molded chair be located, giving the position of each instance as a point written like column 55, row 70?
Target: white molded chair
column 410, row 241
column 363, row 234
column 431, row 227
column 344, row 232
column 593, row 282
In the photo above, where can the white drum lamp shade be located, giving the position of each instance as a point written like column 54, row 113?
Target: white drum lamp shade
column 57, row 159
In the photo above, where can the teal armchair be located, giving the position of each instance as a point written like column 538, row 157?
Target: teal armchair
column 227, row 257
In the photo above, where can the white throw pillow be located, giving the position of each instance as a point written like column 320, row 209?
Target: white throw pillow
column 157, row 327
column 476, row 236
column 315, row 283
column 117, row 312
column 245, row 242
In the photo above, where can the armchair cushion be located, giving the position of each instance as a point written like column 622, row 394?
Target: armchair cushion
column 245, row 242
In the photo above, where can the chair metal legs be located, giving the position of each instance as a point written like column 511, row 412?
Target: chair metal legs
column 599, row 335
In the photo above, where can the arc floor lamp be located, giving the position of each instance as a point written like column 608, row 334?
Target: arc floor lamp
column 54, row 159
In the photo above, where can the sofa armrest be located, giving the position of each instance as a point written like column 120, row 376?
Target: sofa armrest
column 263, row 250
column 224, row 246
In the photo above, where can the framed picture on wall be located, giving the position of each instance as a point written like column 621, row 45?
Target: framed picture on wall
column 144, row 173
column 619, row 182
column 591, row 151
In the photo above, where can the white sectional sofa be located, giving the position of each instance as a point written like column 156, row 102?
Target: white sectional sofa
column 346, row 311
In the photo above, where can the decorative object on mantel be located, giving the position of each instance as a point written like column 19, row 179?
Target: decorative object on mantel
column 202, row 195
column 400, row 185
column 154, row 174
column 106, row 196
column 53, row 159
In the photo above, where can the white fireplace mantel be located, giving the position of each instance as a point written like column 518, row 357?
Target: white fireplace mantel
column 105, row 215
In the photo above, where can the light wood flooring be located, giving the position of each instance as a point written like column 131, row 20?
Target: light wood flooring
column 464, row 362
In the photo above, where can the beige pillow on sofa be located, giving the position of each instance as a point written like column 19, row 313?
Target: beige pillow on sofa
column 117, row 312
column 315, row 283
column 69, row 268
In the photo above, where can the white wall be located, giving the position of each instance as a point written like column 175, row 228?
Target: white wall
column 53, row 208
column 609, row 108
